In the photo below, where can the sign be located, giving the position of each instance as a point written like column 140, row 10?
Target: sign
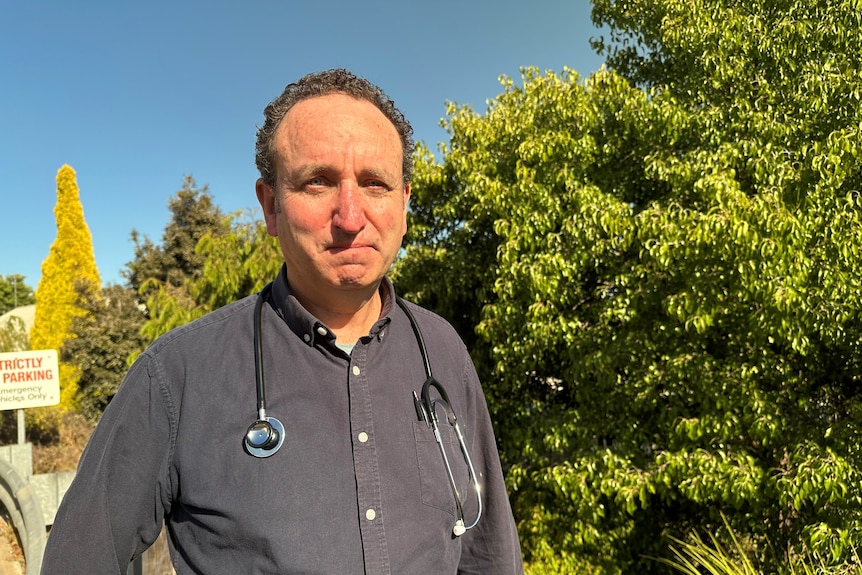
column 29, row 379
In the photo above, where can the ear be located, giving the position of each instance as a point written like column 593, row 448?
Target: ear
column 406, row 207
column 266, row 197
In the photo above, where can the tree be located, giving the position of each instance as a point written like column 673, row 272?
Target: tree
column 666, row 269
column 193, row 215
column 70, row 263
column 14, row 293
column 236, row 264
column 13, row 335
column 104, row 339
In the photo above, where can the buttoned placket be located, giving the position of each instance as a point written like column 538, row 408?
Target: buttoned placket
column 365, row 464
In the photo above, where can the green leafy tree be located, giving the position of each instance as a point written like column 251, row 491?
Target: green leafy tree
column 14, row 293
column 664, row 260
column 105, row 337
column 236, row 264
column 70, row 262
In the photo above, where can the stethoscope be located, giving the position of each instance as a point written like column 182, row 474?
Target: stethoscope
column 266, row 435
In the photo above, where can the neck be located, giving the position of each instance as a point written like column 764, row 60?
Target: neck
column 349, row 315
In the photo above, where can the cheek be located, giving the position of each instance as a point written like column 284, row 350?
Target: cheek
column 392, row 219
column 299, row 218
column 390, row 225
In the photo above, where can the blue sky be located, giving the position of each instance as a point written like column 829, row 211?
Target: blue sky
column 136, row 95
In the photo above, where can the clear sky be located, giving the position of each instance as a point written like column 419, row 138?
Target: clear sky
column 136, row 95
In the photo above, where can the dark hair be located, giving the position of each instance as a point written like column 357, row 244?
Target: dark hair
column 336, row 81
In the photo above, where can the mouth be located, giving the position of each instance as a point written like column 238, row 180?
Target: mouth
column 337, row 249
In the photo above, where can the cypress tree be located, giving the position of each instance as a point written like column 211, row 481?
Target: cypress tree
column 69, row 269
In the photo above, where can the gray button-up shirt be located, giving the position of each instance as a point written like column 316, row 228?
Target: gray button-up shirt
column 358, row 487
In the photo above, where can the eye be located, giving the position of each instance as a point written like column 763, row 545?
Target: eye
column 316, row 184
column 376, row 185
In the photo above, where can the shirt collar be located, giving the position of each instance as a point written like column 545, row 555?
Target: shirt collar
column 310, row 329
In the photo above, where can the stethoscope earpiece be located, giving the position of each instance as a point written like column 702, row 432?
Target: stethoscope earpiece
column 264, row 437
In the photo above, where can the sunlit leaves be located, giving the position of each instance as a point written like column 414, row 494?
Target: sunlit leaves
column 236, row 263
column 663, row 267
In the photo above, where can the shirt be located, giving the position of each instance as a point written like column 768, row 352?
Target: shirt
column 358, row 487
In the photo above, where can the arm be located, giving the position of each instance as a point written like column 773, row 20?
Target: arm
column 116, row 504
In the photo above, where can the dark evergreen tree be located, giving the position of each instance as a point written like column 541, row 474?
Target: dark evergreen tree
column 105, row 337
column 193, row 215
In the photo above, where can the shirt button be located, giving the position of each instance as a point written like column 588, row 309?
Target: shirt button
column 307, row 338
column 321, row 330
column 370, row 514
column 355, row 370
column 363, row 437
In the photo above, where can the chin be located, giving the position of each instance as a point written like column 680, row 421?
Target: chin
column 357, row 280
column 354, row 283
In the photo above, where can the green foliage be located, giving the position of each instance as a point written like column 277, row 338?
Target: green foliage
column 725, row 553
column 104, row 338
column 663, row 264
column 13, row 335
column 235, row 264
column 14, row 293
column 238, row 263
column 696, row 556
column 162, row 274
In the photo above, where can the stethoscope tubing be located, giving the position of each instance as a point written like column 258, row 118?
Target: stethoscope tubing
column 258, row 353
column 429, row 407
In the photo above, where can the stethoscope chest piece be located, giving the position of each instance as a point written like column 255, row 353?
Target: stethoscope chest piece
column 264, row 437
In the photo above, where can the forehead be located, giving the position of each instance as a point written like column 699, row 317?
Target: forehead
column 336, row 119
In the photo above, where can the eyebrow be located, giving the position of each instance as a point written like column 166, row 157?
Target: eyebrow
column 299, row 175
column 380, row 175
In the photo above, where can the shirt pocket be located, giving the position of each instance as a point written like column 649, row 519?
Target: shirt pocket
column 436, row 491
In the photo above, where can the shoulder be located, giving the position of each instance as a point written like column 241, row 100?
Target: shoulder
column 427, row 320
column 221, row 326
column 439, row 337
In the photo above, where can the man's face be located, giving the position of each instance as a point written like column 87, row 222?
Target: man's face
column 339, row 207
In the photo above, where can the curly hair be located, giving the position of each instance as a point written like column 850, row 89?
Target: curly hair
column 335, row 81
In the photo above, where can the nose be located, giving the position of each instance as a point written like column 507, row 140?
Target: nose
column 349, row 212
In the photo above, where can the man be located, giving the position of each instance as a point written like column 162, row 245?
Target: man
column 340, row 471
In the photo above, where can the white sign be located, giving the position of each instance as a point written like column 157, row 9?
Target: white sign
column 29, row 379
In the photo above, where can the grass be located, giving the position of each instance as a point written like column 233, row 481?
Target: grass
column 698, row 556
column 701, row 557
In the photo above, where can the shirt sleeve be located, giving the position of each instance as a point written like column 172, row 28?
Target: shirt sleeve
column 115, row 507
column 492, row 546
